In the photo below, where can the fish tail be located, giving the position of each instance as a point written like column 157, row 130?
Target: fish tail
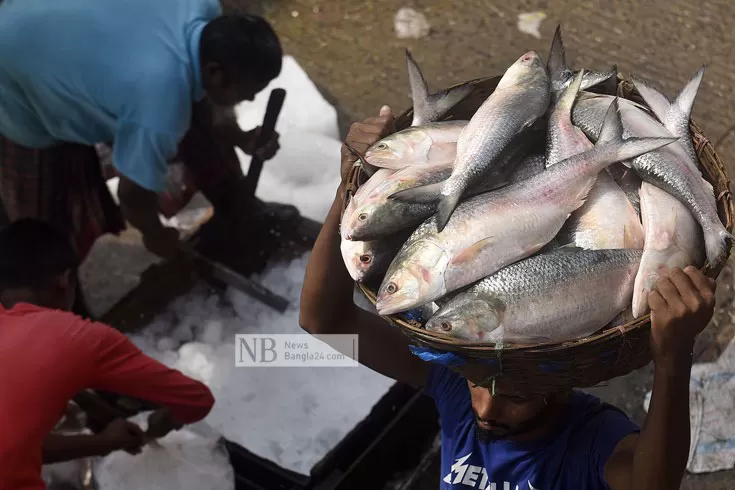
column 447, row 205
column 556, row 63
column 569, row 96
column 662, row 107
column 685, row 100
column 611, row 138
column 430, row 107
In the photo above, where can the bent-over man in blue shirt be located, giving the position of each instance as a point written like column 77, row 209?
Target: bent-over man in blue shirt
column 501, row 441
column 154, row 79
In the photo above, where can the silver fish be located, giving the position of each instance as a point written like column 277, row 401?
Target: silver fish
column 607, row 219
column 376, row 216
column 368, row 261
column 432, row 143
column 561, row 74
column 481, row 239
column 430, row 108
column 669, row 168
column 521, row 97
column 673, row 239
column 565, row 294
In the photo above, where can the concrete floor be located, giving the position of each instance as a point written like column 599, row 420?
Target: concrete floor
column 350, row 50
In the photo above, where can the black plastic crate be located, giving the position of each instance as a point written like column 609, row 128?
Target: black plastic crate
column 391, row 439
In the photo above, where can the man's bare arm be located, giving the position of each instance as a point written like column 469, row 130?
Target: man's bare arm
column 656, row 459
column 327, row 305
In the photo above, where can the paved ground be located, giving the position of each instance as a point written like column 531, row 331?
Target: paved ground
column 350, row 50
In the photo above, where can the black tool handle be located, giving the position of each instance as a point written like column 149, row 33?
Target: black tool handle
column 275, row 103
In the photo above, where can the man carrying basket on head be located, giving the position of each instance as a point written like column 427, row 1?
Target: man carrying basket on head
column 562, row 441
column 156, row 79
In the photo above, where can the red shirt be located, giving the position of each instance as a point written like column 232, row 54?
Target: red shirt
column 47, row 357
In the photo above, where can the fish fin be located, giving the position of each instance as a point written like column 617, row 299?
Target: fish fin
column 610, row 86
column 442, row 102
column 447, row 205
column 657, row 101
column 430, row 107
column 556, row 64
column 419, row 90
column 594, row 78
column 611, row 135
column 685, row 100
column 469, row 253
column 569, row 96
column 612, row 126
column 424, row 194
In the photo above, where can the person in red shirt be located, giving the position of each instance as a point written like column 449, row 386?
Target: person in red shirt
column 48, row 355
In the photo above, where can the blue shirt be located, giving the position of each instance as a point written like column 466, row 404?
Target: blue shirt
column 573, row 457
column 94, row 71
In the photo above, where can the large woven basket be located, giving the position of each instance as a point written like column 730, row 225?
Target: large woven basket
column 556, row 366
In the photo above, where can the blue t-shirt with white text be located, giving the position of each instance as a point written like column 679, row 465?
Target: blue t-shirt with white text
column 571, row 458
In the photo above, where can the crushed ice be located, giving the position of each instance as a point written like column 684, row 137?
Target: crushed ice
column 292, row 416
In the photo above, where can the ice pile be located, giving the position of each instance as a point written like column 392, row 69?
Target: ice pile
column 305, row 172
column 183, row 460
column 291, row 416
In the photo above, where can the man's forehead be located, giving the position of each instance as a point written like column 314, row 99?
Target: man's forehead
column 502, row 386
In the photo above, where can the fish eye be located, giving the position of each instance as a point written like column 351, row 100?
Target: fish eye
column 382, row 146
column 392, row 288
column 362, row 216
column 446, row 326
column 365, row 258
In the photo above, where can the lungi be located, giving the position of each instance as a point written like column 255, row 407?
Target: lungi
column 65, row 184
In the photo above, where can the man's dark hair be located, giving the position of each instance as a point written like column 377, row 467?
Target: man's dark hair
column 32, row 252
column 245, row 45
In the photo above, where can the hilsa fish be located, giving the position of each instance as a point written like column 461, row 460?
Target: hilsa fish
column 673, row 239
column 561, row 295
column 520, row 98
column 481, row 239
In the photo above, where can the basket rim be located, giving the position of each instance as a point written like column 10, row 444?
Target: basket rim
column 482, row 349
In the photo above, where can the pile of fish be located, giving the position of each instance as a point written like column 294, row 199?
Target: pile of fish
column 547, row 216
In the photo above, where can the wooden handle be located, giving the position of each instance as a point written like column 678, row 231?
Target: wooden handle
column 275, row 103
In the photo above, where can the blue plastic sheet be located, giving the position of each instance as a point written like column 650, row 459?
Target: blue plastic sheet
column 444, row 358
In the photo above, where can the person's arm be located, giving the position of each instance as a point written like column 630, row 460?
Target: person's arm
column 119, row 435
column 681, row 307
column 327, row 305
column 223, row 125
column 141, row 157
column 121, row 367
